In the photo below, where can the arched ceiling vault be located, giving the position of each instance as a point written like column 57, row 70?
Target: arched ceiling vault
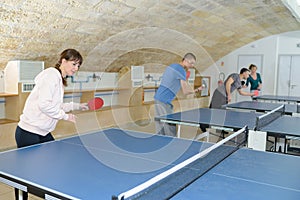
column 154, row 33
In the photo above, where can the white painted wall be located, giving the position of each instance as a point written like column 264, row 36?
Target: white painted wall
column 270, row 47
column 84, row 80
column 2, row 82
column 288, row 45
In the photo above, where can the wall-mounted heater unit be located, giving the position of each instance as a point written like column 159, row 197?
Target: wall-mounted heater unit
column 21, row 71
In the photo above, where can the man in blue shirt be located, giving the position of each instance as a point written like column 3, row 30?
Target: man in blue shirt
column 173, row 79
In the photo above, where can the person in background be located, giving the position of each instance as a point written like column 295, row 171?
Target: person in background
column 173, row 79
column 222, row 94
column 254, row 79
column 44, row 106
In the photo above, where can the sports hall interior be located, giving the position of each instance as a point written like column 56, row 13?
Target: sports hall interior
column 126, row 46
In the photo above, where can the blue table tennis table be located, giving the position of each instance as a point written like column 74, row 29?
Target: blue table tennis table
column 104, row 164
column 220, row 118
column 259, row 106
column 286, row 127
column 248, row 174
column 278, row 98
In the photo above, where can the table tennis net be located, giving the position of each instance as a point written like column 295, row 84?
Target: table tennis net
column 204, row 161
column 267, row 118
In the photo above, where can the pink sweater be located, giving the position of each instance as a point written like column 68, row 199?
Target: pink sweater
column 44, row 106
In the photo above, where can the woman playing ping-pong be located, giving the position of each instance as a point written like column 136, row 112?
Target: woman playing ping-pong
column 44, row 106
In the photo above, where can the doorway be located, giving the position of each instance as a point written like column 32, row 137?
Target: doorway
column 288, row 81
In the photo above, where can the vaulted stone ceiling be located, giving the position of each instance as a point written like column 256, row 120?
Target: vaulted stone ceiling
column 112, row 34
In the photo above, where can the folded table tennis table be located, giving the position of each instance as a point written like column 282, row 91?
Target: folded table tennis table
column 107, row 163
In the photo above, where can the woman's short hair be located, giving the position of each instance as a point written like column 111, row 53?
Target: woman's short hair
column 244, row 70
column 189, row 56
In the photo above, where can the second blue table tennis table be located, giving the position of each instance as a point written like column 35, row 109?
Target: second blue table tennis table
column 107, row 163
column 286, row 127
column 222, row 118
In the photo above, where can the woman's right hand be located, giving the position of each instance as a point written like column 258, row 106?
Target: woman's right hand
column 72, row 118
column 229, row 98
column 84, row 106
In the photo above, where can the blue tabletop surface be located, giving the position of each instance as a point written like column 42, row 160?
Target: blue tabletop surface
column 285, row 125
column 282, row 126
column 96, row 165
column 248, row 174
column 214, row 117
column 108, row 162
column 279, row 98
column 262, row 106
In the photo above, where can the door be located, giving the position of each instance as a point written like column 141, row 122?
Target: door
column 245, row 61
column 288, row 82
column 294, row 89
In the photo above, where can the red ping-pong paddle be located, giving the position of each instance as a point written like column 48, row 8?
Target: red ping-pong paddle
column 255, row 92
column 188, row 73
column 95, row 103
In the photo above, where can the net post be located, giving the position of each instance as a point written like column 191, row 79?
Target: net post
column 116, row 198
column 283, row 110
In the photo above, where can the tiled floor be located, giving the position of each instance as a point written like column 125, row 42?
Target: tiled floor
column 7, row 192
